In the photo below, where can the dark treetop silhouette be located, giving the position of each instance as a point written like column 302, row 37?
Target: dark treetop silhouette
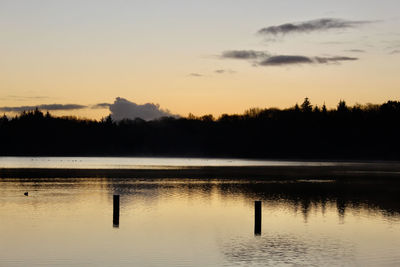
column 364, row 132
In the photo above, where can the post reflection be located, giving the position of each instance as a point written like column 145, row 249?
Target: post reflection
column 257, row 218
column 116, row 211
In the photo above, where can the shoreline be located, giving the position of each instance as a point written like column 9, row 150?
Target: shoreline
column 343, row 172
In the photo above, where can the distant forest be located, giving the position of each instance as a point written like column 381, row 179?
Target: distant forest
column 305, row 131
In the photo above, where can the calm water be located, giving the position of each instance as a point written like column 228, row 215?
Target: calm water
column 171, row 222
column 143, row 162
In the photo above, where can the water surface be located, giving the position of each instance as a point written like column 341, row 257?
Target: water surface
column 191, row 222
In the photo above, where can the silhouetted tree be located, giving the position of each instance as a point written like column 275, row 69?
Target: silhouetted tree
column 296, row 108
column 324, row 110
column 342, row 107
column 37, row 113
column 253, row 112
column 107, row 120
column 191, row 116
column 369, row 131
column 306, row 106
column 3, row 119
column 207, row 118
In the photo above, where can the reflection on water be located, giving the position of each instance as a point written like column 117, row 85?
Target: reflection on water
column 191, row 222
column 257, row 217
column 116, row 211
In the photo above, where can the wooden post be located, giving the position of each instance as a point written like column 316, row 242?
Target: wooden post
column 257, row 217
column 116, row 211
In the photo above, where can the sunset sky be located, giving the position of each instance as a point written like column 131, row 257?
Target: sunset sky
column 209, row 56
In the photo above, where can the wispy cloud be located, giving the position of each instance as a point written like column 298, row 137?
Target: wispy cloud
column 394, row 52
column 295, row 60
column 355, row 50
column 326, row 60
column 193, row 74
column 24, row 98
column 322, row 24
column 265, row 58
column 334, row 43
column 244, row 54
column 259, row 58
column 101, row 106
column 43, row 107
column 222, row 71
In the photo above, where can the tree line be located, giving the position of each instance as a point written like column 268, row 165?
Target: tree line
column 302, row 131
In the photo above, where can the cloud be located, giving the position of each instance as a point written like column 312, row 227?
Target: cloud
column 355, row 50
column 395, row 52
column 24, row 98
column 196, row 74
column 334, row 43
column 244, row 54
column 221, row 71
column 295, row 60
column 285, row 60
column 62, row 107
column 310, row 26
column 43, row 107
column 101, row 106
column 259, row 58
column 325, row 60
column 124, row 109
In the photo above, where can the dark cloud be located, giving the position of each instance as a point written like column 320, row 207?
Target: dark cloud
column 124, row 109
column 285, row 60
column 264, row 59
column 295, row 60
column 43, row 107
column 325, row 60
column 310, row 26
column 244, row 54
column 196, row 75
column 101, row 105
column 261, row 58
column 62, row 107
column 355, row 50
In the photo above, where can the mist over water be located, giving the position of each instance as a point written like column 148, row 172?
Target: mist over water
column 193, row 222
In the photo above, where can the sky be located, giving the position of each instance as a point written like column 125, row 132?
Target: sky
column 89, row 58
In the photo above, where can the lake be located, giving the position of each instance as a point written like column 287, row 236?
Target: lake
column 198, row 222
